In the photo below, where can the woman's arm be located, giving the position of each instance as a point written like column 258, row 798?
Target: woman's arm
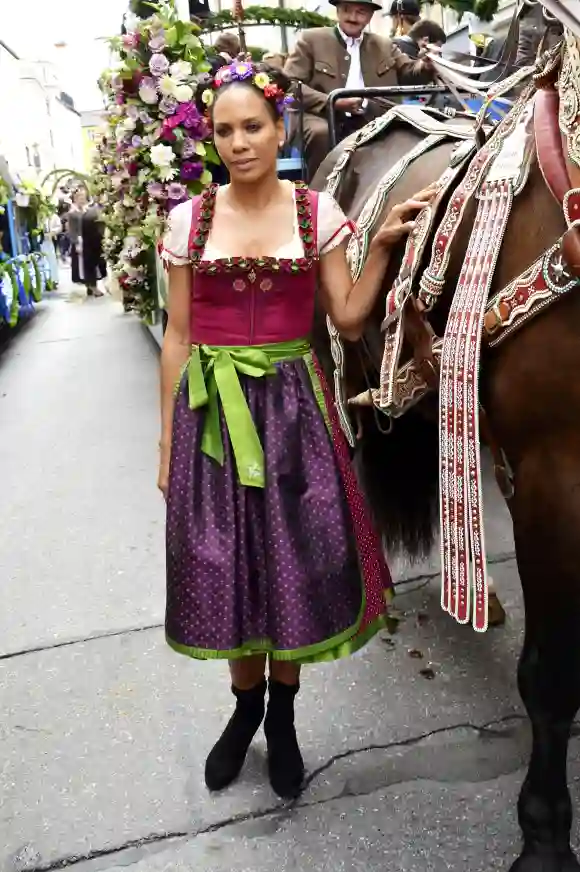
column 174, row 354
column 348, row 305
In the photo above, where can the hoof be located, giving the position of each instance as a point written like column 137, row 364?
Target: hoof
column 495, row 611
column 534, row 862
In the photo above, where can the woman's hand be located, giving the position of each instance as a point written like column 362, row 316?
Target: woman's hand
column 398, row 223
column 163, row 475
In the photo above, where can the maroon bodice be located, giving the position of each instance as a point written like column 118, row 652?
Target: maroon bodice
column 252, row 301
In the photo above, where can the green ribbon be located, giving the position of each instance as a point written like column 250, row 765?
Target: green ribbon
column 212, row 372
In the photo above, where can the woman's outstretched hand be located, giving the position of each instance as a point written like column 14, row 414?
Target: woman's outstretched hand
column 398, row 222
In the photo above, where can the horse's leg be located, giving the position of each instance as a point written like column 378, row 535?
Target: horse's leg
column 546, row 515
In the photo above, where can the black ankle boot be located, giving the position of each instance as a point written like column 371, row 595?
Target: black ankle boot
column 285, row 764
column 227, row 756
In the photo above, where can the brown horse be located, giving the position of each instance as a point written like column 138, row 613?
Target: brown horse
column 530, row 391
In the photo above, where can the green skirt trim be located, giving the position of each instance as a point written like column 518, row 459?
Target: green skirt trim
column 342, row 645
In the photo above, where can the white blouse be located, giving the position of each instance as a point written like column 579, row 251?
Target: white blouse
column 332, row 229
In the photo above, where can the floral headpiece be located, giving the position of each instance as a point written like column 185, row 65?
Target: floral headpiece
column 243, row 71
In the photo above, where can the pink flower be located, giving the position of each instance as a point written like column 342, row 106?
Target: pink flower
column 130, row 40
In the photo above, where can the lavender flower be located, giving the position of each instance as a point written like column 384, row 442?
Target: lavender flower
column 176, row 191
column 136, row 142
column 168, row 105
column 132, row 112
column 157, row 41
column 156, row 190
column 158, row 65
column 188, row 148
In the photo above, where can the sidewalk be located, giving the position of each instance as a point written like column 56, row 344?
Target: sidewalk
column 105, row 731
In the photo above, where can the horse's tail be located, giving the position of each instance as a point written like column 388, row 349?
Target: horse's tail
column 399, row 472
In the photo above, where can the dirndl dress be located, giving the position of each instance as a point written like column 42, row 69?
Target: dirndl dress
column 270, row 546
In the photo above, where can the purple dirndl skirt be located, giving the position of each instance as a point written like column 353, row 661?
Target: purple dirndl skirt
column 293, row 569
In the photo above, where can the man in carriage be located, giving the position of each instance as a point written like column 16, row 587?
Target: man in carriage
column 345, row 56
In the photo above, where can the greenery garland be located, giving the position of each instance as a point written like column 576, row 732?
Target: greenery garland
column 255, row 16
column 484, row 9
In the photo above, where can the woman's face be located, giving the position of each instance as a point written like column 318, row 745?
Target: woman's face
column 246, row 135
column 80, row 199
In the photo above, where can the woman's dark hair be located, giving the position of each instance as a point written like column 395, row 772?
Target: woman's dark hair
column 276, row 76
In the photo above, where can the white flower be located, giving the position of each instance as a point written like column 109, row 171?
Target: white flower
column 167, row 173
column 168, row 86
column 183, row 93
column 131, row 22
column 162, row 155
column 148, row 94
column 128, row 124
column 180, row 70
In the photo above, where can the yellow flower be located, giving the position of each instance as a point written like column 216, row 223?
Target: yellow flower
column 207, row 97
column 261, row 80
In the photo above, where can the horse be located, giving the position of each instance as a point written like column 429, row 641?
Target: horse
column 393, row 387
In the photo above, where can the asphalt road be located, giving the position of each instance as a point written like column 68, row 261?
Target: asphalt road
column 104, row 731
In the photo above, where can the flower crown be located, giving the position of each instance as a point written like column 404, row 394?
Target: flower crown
column 243, row 71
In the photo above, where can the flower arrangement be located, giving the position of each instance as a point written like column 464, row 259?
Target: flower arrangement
column 155, row 148
column 244, row 71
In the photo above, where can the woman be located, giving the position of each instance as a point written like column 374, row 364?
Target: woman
column 270, row 551
column 86, row 251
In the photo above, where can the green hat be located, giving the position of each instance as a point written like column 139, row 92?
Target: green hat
column 376, row 6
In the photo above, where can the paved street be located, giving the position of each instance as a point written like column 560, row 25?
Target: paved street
column 105, row 731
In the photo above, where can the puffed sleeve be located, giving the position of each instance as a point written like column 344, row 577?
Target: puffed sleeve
column 333, row 225
column 175, row 243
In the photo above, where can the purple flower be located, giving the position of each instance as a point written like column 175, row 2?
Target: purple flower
column 157, row 42
column 188, row 148
column 136, row 141
column 176, row 191
column 144, row 117
column 156, row 190
column 191, row 170
column 132, row 112
column 168, row 105
column 158, row 65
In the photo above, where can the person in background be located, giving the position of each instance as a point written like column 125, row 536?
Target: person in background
column 83, row 268
column 95, row 267
column 422, row 34
column 404, row 14
column 345, row 56
column 225, row 49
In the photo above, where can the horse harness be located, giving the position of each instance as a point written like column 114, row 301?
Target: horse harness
column 545, row 119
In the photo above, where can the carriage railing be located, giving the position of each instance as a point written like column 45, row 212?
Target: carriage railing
column 385, row 92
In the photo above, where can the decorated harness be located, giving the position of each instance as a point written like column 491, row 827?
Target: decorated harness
column 544, row 120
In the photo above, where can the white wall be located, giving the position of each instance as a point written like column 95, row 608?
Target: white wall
column 48, row 134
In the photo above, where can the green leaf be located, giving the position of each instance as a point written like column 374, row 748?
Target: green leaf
column 211, row 154
column 206, row 177
column 171, row 36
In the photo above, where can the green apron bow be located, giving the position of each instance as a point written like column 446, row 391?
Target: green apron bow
column 213, row 371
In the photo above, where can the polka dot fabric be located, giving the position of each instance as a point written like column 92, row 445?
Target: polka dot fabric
column 276, row 568
column 293, row 568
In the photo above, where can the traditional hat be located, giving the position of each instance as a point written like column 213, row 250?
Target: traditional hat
column 376, row 6
column 405, row 7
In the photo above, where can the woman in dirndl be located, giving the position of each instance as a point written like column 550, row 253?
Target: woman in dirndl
column 272, row 561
